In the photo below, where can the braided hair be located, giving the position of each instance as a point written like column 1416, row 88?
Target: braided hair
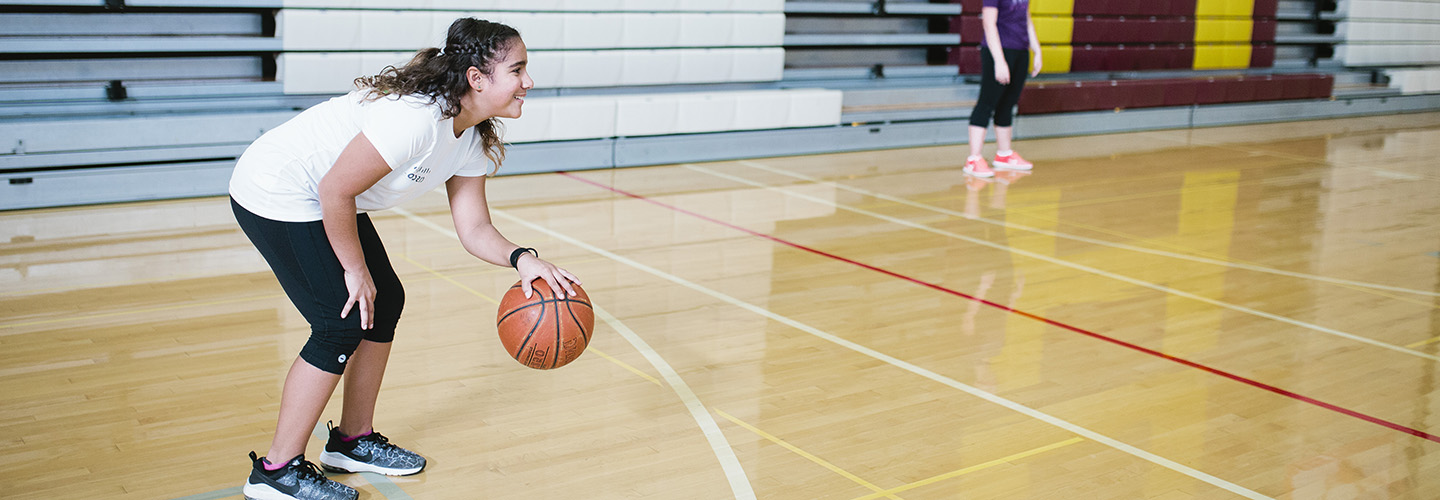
column 440, row 74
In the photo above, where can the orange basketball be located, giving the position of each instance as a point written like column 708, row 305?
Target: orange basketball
column 544, row 332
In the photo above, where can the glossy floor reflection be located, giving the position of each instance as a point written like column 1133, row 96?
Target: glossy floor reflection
column 1215, row 313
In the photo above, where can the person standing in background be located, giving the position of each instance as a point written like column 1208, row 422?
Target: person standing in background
column 1005, row 62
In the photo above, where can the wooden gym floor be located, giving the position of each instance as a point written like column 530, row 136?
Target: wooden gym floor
column 1243, row 312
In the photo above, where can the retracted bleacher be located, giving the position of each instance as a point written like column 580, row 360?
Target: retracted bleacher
column 111, row 101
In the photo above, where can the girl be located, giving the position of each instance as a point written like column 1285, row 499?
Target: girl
column 301, row 193
column 1004, row 61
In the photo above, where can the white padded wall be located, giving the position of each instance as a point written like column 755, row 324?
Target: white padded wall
column 597, row 117
column 343, row 30
column 1390, row 32
column 576, row 44
column 551, row 5
column 1360, row 54
column 333, row 72
column 1415, row 81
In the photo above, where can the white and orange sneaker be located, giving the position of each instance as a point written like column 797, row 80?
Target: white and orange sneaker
column 1012, row 161
column 976, row 166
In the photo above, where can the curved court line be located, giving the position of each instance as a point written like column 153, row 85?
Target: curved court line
column 734, row 473
column 739, row 483
column 1017, row 407
column 1093, row 241
column 1082, row 267
column 1253, row 383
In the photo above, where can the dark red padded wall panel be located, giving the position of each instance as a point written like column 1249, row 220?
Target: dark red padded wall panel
column 1263, row 31
column 1262, row 55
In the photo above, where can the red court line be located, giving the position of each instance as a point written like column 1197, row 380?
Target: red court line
column 1082, row 331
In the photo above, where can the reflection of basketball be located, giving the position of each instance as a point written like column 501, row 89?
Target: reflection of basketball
column 543, row 332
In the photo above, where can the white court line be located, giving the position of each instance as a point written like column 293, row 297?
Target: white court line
column 1081, row 267
column 1093, row 241
column 1017, row 407
column 739, row 482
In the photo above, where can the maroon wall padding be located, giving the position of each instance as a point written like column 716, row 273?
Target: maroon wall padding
column 1180, row 91
column 1142, row 93
column 1116, row 30
column 1162, row 8
column 1263, row 31
column 1241, row 89
column 1209, row 91
column 1106, row 94
column 1293, row 86
column 1133, row 7
column 1045, row 97
column 967, row 57
column 1093, row 95
column 1266, row 8
column 1267, row 88
column 1262, row 55
column 1086, row 58
column 1322, row 87
column 970, row 28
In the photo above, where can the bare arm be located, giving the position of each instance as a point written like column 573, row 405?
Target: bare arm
column 1034, row 45
column 989, row 17
column 358, row 167
column 479, row 236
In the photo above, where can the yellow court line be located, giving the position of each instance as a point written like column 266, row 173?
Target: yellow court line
column 1424, row 342
column 442, row 276
column 138, row 311
column 1219, row 257
column 1186, row 254
column 974, row 468
column 472, row 291
column 879, row 492
column 625, row 365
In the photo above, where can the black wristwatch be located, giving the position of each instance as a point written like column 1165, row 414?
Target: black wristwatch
column 515, row 255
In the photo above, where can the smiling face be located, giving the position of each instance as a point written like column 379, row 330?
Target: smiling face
column 502, row 92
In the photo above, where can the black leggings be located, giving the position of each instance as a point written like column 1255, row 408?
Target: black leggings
column 311, row 274
column 996, row 99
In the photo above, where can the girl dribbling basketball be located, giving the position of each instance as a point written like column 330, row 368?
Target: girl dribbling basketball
column 301, row 193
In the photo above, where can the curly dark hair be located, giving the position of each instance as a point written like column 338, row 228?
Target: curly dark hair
column 440, row 74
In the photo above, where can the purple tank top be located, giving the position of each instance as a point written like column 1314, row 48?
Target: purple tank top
column 1013, row 23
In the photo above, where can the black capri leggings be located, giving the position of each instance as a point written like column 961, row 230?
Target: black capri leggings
column 996, row 99
column 311, row 274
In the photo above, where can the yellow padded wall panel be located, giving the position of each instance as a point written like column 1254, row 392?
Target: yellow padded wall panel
column 1052, row 7
column 1213, row 30
column 1237, row 56
column 1209, row 30
column 1240, row 8
column 1209, row 56
column 1055, row 58
column 1239, row 30
column 1053, row 29
column 1210, row 8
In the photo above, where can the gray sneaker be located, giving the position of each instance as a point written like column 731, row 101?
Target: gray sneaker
column 369, row 453
column 297, row 480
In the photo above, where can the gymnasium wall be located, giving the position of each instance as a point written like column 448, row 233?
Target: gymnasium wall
column 110, row 100
column 575, row 44
column 1131, row 35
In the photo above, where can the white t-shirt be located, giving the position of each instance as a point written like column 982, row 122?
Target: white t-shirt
column 278, row 177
